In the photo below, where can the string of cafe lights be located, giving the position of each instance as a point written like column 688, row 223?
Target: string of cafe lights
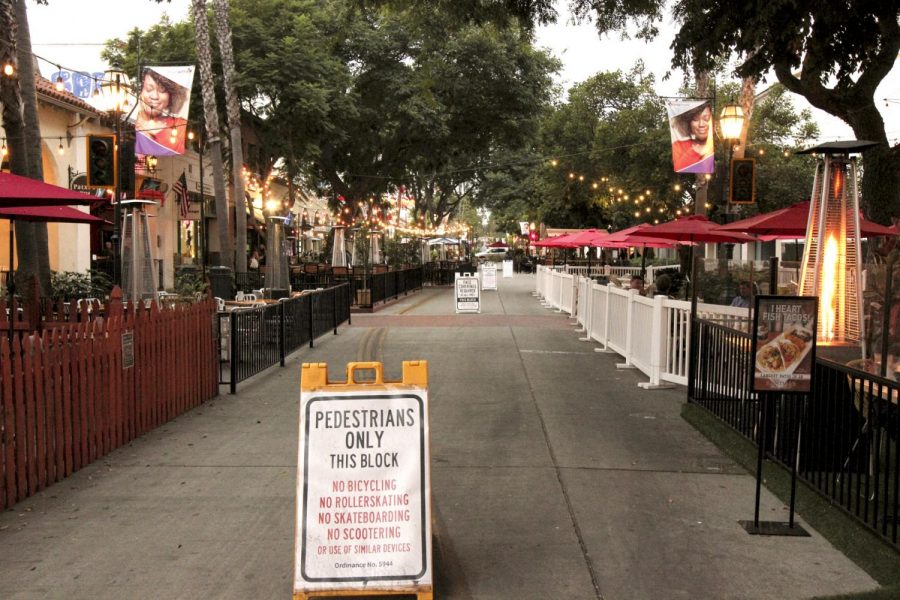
column 617, row 195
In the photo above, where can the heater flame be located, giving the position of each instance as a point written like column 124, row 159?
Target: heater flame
column 829, row 286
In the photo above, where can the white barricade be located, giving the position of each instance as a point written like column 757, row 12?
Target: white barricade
column 652, row 334
column 567, row 293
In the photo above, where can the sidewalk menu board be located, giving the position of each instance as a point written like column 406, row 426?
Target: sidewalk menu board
column 468, row 295
column 784, row 343
column 489, row 276
column 363, row 510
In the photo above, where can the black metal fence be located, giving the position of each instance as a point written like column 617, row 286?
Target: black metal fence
column 850, row 425
column 370, row 289
column 254, row 339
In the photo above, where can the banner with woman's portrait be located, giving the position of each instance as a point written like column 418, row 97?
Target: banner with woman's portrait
column 691, row 125
column 161, row 117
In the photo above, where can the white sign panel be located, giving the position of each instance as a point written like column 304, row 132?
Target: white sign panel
column 468, row 295
column 507, row 268
column 364, row 512
column 489, row 276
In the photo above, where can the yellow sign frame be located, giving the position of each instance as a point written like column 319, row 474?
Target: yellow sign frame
column 314, row 378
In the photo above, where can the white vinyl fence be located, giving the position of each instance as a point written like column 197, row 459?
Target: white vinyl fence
column 651, row 334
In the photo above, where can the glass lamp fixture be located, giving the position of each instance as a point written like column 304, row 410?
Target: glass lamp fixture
column 731, row 120
column 114, row 89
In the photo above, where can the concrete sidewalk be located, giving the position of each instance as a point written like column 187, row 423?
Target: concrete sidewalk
column 554, row 475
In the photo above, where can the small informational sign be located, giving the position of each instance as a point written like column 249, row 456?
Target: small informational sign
column 127, row 349
column 363, row 487
column 489, row 276
column 784, row 343
column 507, row 268
column 468, row 295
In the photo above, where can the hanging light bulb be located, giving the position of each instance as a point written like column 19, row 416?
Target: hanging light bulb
column 8, row 69
column 3, row 151
column 190, row 136
column 59, row 85
column 61, row 150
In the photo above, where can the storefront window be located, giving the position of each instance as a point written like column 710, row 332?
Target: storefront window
column 187, row 241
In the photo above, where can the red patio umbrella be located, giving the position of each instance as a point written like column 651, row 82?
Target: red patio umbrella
column 498, row 245
column 792, row 222
column 552, row 242
column 16, row 190
column 633, row 236
column 695, row 228
column 38, row 214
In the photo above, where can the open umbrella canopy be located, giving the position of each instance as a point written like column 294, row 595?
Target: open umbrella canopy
column 695, row 228
column 443, row 241
column 791, row 222
column 588, row 237
column 16, row 190
column 47, row 214
column 626, row 238
column 552, row 242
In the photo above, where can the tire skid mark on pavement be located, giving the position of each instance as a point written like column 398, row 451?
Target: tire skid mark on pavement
column 565, row 492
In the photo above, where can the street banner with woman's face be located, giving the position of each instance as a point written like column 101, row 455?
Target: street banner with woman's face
column 161, row 117
column 691, row 125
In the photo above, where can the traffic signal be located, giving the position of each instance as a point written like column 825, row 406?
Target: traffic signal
column 101, row 163
column 743, row 181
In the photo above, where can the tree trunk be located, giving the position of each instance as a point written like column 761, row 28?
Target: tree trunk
column 211, row 116
column 223, row 33
column 32, row 247
column 880, row 165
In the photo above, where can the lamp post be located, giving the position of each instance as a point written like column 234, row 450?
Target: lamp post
column 114, row 90
column 731, row 122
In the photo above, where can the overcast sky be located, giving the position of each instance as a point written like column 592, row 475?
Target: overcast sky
column 71, row 34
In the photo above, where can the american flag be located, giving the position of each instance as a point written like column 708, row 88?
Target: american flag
column 181, row 195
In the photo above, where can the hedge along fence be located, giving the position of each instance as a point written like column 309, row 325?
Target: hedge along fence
column 75, row 392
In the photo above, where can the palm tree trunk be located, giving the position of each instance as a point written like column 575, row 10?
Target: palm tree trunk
column 32, row 248
column 223, row 33
column 211, row 116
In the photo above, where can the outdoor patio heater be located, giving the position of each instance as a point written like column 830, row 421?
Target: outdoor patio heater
column 139, row 280
column 831, row 267
column 278, row 273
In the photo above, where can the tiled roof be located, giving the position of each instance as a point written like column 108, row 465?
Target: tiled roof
column 46, row 88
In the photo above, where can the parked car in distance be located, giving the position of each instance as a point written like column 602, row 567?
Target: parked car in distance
column 491, row 254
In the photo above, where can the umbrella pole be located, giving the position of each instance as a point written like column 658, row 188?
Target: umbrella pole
column 10, row 280
column 644, row 262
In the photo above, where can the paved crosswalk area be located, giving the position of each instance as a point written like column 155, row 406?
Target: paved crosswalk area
column 554, row 476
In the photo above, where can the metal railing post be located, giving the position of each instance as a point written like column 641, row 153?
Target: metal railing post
column 281, row 331
column 349, row 303
column 232, row 354
column 312, row 331
column 334, row 309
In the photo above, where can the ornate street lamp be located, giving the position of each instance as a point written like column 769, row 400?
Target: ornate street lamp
column 114, row 91
column 731, row 122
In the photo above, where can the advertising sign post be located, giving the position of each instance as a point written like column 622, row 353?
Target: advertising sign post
column 783, row 349
column 468, row 294
column 489, row 276
column 363, row 484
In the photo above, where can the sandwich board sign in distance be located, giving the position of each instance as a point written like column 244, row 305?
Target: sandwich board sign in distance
column 489, row 276
column 468, row 294
column 363, row 484
column 507, row 268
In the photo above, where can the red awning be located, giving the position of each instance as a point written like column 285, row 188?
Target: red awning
column 16, row 190
column 48, row 214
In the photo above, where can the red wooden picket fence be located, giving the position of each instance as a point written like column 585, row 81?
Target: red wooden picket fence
column 67, row 398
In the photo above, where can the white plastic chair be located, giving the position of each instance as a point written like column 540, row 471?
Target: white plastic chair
column 239, row 296
column 250, row 298
column 220, row 304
